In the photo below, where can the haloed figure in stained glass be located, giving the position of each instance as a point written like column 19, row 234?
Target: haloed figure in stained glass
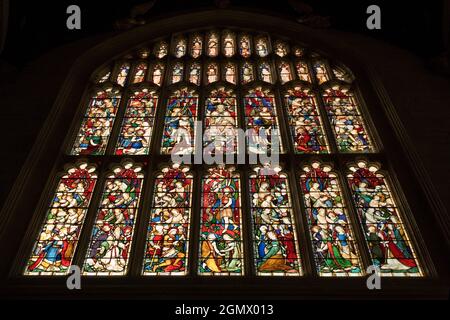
column 221, row 243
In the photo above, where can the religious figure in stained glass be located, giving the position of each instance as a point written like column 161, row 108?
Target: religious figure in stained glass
column 196, row 49
column 213, row 44
column 229, row 45
column 161, row 49
column 220, row 122
column 212, row 73
column 261, row 118
column 304, row 121
column 194, row 73
column 112, row 234
column 380, row 218
column 97, row 123
column 334, row 247
column 285, row 72
column 166, row 251
column 220, row 239
column 138, row 122
column 139, row 73
column 262, row 47
column 275, row 240
column 321, row 72
column 230, row 73
column 180, row 48
column 281, row 48
column 181, row 114
column 265, row 72
column 123, row 74
column 157, row 74
column 346, row 120
column 302, row 71
column 247, row 73
column 55, row 246
column 244, row 46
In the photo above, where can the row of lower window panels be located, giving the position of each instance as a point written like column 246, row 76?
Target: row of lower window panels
column 221, row 242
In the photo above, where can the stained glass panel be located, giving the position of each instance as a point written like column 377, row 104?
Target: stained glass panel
column 166, row 251
column 196, row 46
column 320, row 70
column 161, row 49
column 139, row 72
column 247, row 74
column 220, row 134
column 285, row 72
column 195, row 73
column 334, row 246
column 275, row 239
column 346, row 120
column 213, row 44
column 265, row 72
column 303, row 71
column 97, row 123
column 157, row 74
column 55, row 246
column 261, row 116
column 180, row 47
column 230, row 73
column 245, row 46
column 221, row 247
column 281, row 48
column 212, row 73
column 305, row 122
column 181, row 114
column 112, row 234
column 177, row 72
column 229, row 44
column 262, row 47
column 123, row 74
column 138, row 122
column 382, row 223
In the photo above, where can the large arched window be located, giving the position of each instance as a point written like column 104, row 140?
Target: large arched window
column 122, row 207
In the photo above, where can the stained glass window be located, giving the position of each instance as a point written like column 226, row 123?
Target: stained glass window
column 180, row 47
column 157, row 74
column 136, row 131
column 229, row 44
column 179, row 129
column 196, row 46
column 212, row 73
column 347, row 122
column 97, row 123
column 265, row 72
column 381, row 220
column 112, row 234
column 139, row 72
column 305, row 123
column 244, row 46
column 261, row 117
column 262, row 47
column 177, row 72
column 220, row 134
column 284, row 70
column 281, row 48
column 333, row 243
column 161, row 49
column 57, row 241
column 247, row 74
column 123, row 74
column 238, row 83
column 221, row 247
column 195, row 73
column 273, row 224
column 213, row 44
column 320, row 71
column 167, row 243
column 303, row 71
column 230, row 72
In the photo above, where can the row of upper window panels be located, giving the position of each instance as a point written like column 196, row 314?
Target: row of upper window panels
column 244, row 72
column 272, row 235
column 221, row 108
